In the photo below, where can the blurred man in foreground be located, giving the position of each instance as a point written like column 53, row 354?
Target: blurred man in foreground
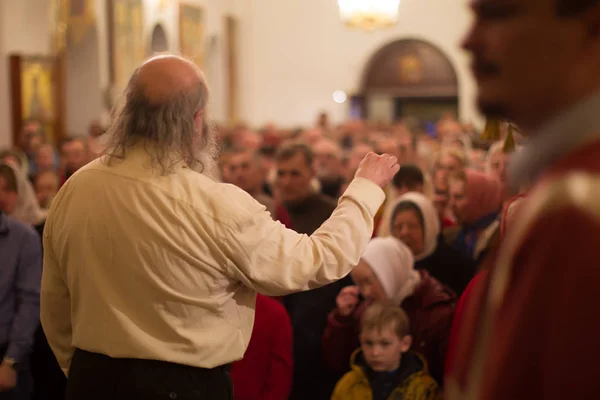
column 532, row 334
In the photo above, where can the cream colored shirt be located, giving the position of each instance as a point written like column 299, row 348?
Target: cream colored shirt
column 138, row 265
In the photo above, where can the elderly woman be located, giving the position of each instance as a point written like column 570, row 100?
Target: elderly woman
column 414, row 220
column 476, row 200
column 386, row 273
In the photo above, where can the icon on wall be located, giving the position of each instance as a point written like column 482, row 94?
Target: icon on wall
column 411, row 69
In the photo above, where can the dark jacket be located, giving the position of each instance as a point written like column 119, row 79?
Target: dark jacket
column 449, row 266
column 430, row 311
column 308, row 311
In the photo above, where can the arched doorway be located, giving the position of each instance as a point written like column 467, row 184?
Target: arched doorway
column 158, row 40
column 407, row 77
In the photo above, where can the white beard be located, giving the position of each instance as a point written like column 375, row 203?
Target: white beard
column 208, row 155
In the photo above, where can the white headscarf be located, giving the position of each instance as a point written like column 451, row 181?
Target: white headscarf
column 393, row 264
column 27, row 210
column 431, row 221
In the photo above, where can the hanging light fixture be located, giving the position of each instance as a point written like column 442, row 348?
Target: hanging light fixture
column 369, row 14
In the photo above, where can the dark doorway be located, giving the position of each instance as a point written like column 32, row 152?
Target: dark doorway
column 426, row 110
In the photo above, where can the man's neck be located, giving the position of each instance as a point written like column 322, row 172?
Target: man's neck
column 565, row 103
column 562, row 134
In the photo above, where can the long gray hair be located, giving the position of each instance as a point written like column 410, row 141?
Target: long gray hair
column 165, row 126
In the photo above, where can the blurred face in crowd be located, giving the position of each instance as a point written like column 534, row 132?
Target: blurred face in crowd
column 498, row 164
column 359, row 151
column 31, row 137
column 44, row 158
column 458, row 198
column 293, row 178
column 407, row 227
column 382, row 348
column 327, row 159
column 477, row 159
column 448, row 130
column 46, row 187
column 8, row 194
column 248, row 140
column 244, row 172
column 449, row 164
column 312, row 136
column 405, row 148
column 367, row 282
column 519, row 48
column 388, row 146
column 33, row 144
column 74, row 155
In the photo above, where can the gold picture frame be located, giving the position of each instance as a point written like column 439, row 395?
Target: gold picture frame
column 191, row 33
column 35, row 93
column 128, row 48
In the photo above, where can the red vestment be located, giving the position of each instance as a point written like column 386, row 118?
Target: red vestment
column 531, row 330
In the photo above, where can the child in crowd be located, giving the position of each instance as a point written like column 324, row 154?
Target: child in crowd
column 386, row 273
column 384, row 368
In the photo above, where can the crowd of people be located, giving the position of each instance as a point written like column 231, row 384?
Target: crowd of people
column 353, row 261
column 384, row 328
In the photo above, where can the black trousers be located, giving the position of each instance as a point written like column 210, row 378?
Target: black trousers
column 95, row 376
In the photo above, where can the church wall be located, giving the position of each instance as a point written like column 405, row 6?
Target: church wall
column 25, row 28
column 301, row 54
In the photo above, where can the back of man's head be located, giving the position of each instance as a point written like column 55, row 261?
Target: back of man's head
column 164, row 100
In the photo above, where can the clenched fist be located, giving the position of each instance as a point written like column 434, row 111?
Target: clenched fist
column 347, row 300
column 378, row 169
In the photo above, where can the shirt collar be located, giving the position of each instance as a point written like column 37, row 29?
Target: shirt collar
column 557, row 138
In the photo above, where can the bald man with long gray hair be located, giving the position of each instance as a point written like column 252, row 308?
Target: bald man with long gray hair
column 151, row 266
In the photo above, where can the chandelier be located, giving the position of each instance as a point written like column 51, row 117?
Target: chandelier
column 369, row 14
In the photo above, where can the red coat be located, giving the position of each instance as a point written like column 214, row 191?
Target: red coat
column 532, row 331
column 430, row 310
column 283, row 216
column 465, row 299
column 265, row 372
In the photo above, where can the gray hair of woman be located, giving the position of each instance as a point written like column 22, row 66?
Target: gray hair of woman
column 165, row 127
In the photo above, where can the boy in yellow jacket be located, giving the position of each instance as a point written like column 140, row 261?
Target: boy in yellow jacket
column 384, row 368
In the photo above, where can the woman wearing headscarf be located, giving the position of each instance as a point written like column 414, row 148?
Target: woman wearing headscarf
column 386, row 273
column 476, row 200
column 414, row 220
column 466, row 308
column 19, row 199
